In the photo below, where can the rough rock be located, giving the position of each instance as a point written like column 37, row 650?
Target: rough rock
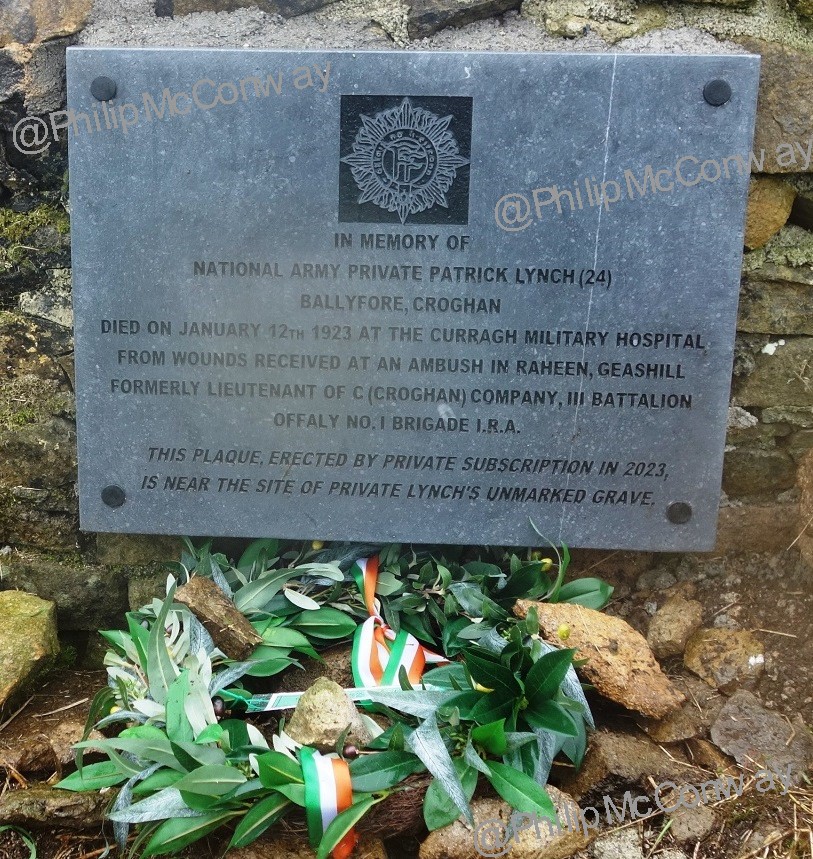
column 53, row 303
column 322, row 714
column 545, row 842
column 783, row 109
column 769, row 203
column 28, row 644
column 288, row 847
column 757, row 737
column 621, row 844
column 618, row 761
column 750, row 470
column 692, row 719
column 781, row 375
column 144, row 585
column 768, row 306
column 672, row 625
column 428, row 16
column 228, row 626
column 137, row 549
column 47, row 808
column 286, row 8
column 726, row 658
column 64, row 734
column 618, row 660
column 38, row 20
column 335, row 665
column 87, row 597
column 757, row 527
column 37, row 434
column 35, row 756
column 705, row 754
column 691, row 824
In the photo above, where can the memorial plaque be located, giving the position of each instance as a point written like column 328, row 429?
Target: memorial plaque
column 406, row 296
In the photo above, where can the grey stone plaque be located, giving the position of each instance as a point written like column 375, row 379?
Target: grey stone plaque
column 428, row 297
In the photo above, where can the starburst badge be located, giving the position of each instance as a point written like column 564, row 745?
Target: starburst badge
column 404, row 159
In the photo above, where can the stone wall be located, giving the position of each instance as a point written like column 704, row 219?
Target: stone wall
column 93, row 577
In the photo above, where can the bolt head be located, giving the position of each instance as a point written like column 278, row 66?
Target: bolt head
column 717, row 92
column 113, row 496
column 103, row 88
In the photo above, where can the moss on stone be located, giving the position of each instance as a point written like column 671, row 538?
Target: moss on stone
column 28, row 400
column 791, row 246
column 764, row 19
column 24, row 232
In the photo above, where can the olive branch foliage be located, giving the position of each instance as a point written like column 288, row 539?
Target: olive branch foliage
column 503, row 708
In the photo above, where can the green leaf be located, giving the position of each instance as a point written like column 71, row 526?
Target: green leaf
column 173, row 835
column 491, row 737
column 100, row 706
column 589, row 592
column 178, row 727
column 492, row 675
column 94, row 777
column 192, row 755
column 236, row 735
column 481, row 569
column 490, row 708
column 522, row 583
column 283, row 636
column 157, row 781
column 199, row 802
column 300, row 600
column 465, row 703
column 294, row 792
column 371, row 773
column 211, row 780
column 520, row 791
column 344, row 822
column 156, row 749
column 575, row 747
column 564, row 563
column 255, row 596
column 210, row 734
column 552, row 717
column 160, row 669
column 140, row 637
column 252, row 554
column 263, row 814
column 270, row 667
column 276, row 769
column 546, row 675
column 439, row 809
column 451, row 645
column 473, row 632
column 451, row 676
column 326, row 622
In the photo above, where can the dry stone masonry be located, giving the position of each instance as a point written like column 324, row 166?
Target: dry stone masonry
column 772, row 429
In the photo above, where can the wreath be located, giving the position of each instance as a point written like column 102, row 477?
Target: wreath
column 451, row 687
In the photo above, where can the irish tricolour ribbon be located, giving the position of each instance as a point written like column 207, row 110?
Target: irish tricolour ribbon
column 379, row 653
column 327, row 793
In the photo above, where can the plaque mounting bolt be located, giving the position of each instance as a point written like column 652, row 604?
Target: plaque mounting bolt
column 103, row 89
column 113, row 496
column 717, row 92
column 679, row 513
